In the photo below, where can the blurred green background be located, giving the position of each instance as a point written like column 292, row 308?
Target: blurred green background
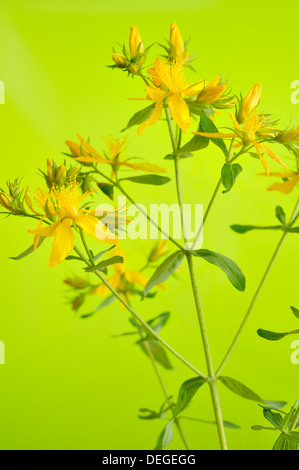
column 67, row 384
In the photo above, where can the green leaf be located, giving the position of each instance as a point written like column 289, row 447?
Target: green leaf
column 262, row 428
column 140, row 117
column 295, row 312
column 150, row 414
column 156, row 180
column 159, row 322
column 107, row 189
column 280, row 215
column 272, row 336
column 237, row 387
column 284, row 443
column 99, row 255
column 73, row 258
column 293, row 436
column 171, row 156
column 198, row 142
column 187, row 391
column 165, row 270
column 248, row 228
column 230, row 268
column 274, row 418
column 29, row 251
column 168, row 434
column 104, row 264
column 165, row 437
column 229, row 174
column 157, row 351
column 206, row 125
column 108, row 301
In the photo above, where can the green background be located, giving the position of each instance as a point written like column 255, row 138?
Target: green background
column 67, row 384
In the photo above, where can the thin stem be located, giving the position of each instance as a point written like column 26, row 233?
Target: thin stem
column 162, row 384
column 141, row 210
column 211, row 378
column 257, row 293
column 139, row 318
column 295, row 420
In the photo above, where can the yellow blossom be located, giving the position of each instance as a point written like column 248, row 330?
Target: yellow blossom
column 120, row 60
column 65, row 207
column 6, row 201
column 135, row 42
column 177, row 43
column 249, row 103
column 254, row 131
column 212, row 91
column 291, row 178
column 116, row 156
column 174, row 88
column 159, row 250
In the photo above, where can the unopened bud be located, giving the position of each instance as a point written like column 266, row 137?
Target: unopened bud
column 120, row 60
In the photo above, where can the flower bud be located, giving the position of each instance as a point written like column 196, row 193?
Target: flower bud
column 135, row 42
column 158, row 251
column 60, row 176
column 50, row 170
column 249, row 103
column 177, row 41
column 6, row 201
column 120, row 60
column 76, row 283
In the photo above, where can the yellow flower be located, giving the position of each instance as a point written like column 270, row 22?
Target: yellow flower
column 177, row 43
column 65, row 206
column 6, row 201
column 254, row 131
column 173, row 87
column 159, row 250
column 120, row 60
column 135, row 42
column 122, row 280
column 249, row 103
column 291, row 179
column 289, row 138
column 211, row 92
column 116, row 156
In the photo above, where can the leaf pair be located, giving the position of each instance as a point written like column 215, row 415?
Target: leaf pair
column 172, row 263
column 288, row 438
column 273, row 336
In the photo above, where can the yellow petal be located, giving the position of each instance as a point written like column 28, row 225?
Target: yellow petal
column 272, row 154
column 286, row 187
column 63, row 244
column 134, row 277
column 29, row 202
column 150, row 167
column 179, row 111
column 264, row 163
column 154, row 117
column 95, row 228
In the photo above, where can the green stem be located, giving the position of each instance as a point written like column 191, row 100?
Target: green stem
column 295, row 420
column 123, row 191
column 139, row 318
column 211, row 377
column 257, row 293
